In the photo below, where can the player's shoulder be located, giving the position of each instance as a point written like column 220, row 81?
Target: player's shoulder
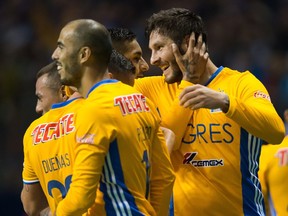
column 237, row 73
column 151, row 80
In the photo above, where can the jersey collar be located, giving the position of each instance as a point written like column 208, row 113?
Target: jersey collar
column 105, row 81
column 214, row 75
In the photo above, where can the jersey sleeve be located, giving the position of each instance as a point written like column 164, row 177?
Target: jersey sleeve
column 252, row 109
column 162, row 176
column 92, row 144
column 177, row 117
column 28, row 174
column 276, row 177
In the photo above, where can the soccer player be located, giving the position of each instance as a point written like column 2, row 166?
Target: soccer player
column 125, row 42
column 273, row 174
column 48, row 88
column 116, row 137
column 219, row 129
column 119, row 68
column 42, row 164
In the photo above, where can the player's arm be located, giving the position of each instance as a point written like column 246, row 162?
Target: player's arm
column 162, row 176
column 32, row 195
column 276, row 179
column 250, row 106
column 253, row 110
column 91, row 148
column 33, row 199
column 169, row 136
column 86, row 174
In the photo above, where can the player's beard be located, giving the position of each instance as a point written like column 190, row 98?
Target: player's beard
column 72, row 73
column 175, row 75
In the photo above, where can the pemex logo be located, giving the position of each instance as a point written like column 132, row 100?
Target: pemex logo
column 189, row 158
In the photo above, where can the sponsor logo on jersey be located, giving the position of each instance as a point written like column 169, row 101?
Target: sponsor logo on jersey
column 212, row 133
column 87, row 138
column 282, row 154
column 53, row 130
column 215, row 110
column 189, row 158
column 133, row 103
column 260, row 94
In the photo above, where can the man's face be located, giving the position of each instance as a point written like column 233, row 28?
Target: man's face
column 163, row 57
column 66, row 56
column 134, row 54
column 46, row 96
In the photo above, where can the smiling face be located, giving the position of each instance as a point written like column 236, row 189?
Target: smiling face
column 163, row 57
column 133, row 52
column 67, row 58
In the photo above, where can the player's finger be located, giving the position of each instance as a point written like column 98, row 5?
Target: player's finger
column 192, row 42
column 199, row 41
column 188, row 100
column 203, row 49
column 187, row 93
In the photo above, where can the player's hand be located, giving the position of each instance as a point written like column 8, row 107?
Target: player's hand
column 193, row 62
column 169, row 136
column 199, row 96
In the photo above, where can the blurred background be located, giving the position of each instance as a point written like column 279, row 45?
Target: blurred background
column 242, row 34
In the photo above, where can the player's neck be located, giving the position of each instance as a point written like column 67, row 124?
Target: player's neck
column 89, row 80
column 210, row 69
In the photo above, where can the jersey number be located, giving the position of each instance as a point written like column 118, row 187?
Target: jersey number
column 53, row 184
column 145, row 160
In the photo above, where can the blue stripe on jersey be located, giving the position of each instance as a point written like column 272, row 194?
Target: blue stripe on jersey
column 62, row 104
column 31, row 182
column 100, row 83
column 171, row 206
column 214, row 75
column 250, row 147
column 117, row 197
column 271, row 206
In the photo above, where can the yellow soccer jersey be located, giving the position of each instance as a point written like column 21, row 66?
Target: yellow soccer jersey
column 48, row 152
column 119, row 146
column 273, row 175
column 216, row 161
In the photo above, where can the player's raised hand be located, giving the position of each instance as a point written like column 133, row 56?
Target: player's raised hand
column 199, row 96
column 193, row 62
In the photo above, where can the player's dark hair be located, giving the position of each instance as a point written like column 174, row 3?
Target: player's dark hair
column 119, row 36
column 176, row 23
column 53, row 76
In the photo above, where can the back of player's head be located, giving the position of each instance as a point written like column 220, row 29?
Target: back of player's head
column 176, row 23
column 53, row 77
column 89, row 33
column 120, row 36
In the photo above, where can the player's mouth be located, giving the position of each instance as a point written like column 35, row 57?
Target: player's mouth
column 165, row 69
column 59, row 66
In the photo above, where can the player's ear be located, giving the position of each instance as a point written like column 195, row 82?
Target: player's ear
column 184, row 45
column 110, row 75
column 84, row 54
column 63, row 93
